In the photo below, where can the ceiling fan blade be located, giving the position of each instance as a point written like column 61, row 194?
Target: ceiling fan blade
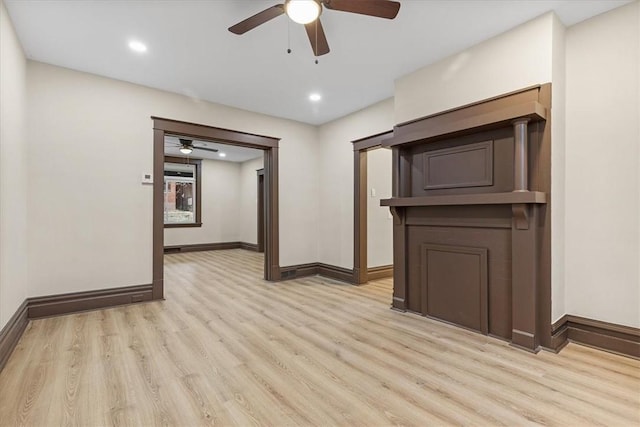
column 317, row 38
column 257, row 19
column 213, row 150
column 378, row 8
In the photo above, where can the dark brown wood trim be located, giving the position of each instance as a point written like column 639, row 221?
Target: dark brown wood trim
column 536, row 197
column 199, row 247
column 55, row 305
column 371, row 142
column 158, row 215
column 219, row 246
column 12, row 331
column 382, row 272
column 261, row 210
column 313, row 268
column 269, row 144
column 249, row 246
column 198, row 165
column 189, row 225
column 299, row 270
column 360, row 217
column 535, row 93
column 611, row 337
column 333, row 272
column 272, row 235
column 204, row 132
column 360, row 148
column 559, row 335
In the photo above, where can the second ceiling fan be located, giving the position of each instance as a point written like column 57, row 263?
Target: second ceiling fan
column 307, row 12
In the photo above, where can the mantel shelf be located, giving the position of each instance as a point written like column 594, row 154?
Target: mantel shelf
column 510, row 198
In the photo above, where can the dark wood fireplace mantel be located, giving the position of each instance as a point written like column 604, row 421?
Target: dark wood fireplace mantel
column 471, row 208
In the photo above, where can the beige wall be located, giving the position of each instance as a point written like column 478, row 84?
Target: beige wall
column 379, row 220
column 558, row 186
column 90, row 140
column 220, row 207
column 335, row 160
column 13, row 172
column 249, row 200
column 602, row 163
column 513, row 60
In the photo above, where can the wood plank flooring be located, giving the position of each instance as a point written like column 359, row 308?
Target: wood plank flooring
column 227, row 348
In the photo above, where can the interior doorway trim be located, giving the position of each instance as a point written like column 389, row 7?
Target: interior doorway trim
column 163, row 127
column 360, row 149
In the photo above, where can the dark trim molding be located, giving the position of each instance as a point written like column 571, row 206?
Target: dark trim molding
column 249, row 246
column 382, row 272
column 331, row 271
column 55, row 305
column 186, row 225
column 11, row 333
column 611, row 337
column 162, row 127
column 360, row 148
column 199, row 247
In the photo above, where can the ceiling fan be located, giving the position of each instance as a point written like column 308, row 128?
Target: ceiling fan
column 187, row 146
column 307, row 12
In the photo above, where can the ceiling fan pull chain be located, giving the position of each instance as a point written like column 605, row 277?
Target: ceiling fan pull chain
column 316, row 46
column 288, row 36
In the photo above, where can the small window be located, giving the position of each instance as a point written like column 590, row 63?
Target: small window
column 182, row 193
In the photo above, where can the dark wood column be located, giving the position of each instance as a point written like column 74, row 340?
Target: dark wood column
column 520, row 161
column 360, row 217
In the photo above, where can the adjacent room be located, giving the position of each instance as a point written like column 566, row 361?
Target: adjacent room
column 319, row 212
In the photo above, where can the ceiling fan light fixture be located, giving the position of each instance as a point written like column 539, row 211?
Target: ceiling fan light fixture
column 303, row 11
column 186, row 149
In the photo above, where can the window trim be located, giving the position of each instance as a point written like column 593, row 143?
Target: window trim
column 198, row 165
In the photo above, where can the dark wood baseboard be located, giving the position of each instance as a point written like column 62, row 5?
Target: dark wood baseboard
column 11, row 333
column 249, row 246
column 197, row 247
column 333, row 272
column 311, row 269
column 55, row 305
column 382, row 272
column 297, row 271
column 611, row 337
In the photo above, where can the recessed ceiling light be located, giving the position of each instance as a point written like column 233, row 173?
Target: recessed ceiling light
column 222, row 155
column 315, row 97
column 137, row 46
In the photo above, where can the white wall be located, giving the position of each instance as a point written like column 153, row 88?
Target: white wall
column 511, row 61
column 90, row 138
column 220, row 207
column 335, row 160
column 558, row 181
column 602, row 163
column 13, row 171
column 249, row 200
column 379, row 221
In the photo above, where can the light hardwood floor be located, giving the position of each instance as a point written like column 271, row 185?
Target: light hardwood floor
column 227, row 348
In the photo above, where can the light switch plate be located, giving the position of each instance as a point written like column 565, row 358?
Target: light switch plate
column 147, row 178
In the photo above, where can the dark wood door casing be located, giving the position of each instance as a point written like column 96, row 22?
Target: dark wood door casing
column 163, row 127
column 261, row 210
column 360, row 149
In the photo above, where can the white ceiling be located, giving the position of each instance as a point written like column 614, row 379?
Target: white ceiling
column 233, row 152
column 191, row 52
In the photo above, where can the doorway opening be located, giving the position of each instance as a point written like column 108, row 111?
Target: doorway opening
column 379, row 264
column 181, row 205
